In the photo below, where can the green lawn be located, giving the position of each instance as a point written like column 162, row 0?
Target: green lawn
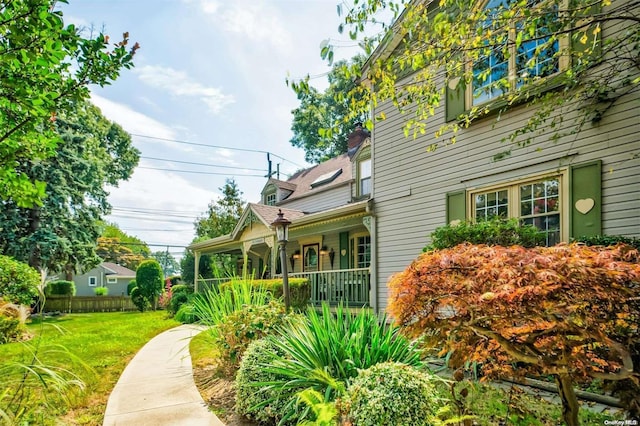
column 99, row 346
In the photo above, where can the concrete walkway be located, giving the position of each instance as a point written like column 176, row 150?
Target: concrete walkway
column 157, row 387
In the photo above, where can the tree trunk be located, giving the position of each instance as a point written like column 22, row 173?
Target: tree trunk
column 570, row 405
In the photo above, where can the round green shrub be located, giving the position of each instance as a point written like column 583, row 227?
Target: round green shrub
column 60, row 288
column 252, row 371
column 150, row 280
column 101, row 291
column 139, row 300
column 18, row 281
column 181, row 288
column 177, row 300
column 391, row 393
column 132, row 284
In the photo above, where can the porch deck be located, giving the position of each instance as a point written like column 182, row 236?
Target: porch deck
column 349, row 286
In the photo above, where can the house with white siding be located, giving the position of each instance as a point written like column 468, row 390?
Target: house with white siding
column 329, row 242
column 580, row 184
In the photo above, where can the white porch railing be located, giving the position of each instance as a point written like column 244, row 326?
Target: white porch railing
column 349, row 286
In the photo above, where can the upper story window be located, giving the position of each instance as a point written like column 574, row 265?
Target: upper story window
column 514, row 55
column 536, row 202
column 270, row 199
column 364, row 177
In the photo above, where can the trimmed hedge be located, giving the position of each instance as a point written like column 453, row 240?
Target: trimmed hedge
column 60, row 288
column 299, row 289
column 609, row 240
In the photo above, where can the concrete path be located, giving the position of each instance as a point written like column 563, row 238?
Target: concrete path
column 157, row 387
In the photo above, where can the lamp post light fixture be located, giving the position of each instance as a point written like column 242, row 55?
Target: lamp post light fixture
column 281, row 226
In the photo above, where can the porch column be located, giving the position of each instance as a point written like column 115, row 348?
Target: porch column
column 369, row 222
column 246, row 246
column 196, row 270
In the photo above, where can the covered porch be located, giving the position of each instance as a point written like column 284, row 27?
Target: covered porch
column 332, row 249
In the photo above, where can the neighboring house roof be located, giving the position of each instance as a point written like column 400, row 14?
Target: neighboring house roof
column 117, row 270
column 280, row 184
column 328, row 174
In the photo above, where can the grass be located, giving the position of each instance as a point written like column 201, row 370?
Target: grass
column 99, row 346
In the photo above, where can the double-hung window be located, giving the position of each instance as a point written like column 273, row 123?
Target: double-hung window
column 270, row 199
column 537, row 202
column 364, row 177
column 514, row 54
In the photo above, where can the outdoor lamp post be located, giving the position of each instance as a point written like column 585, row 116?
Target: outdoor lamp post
column 281, row 225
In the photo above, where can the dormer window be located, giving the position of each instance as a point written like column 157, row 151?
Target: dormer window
column 270, row 199
column 364, row 177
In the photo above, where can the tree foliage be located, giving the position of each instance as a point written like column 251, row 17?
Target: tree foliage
column 150, row 281
column 440, row 42
column 60, row 233
column 323, row 120
column 137, row 246
column 187, row 265
column 223, row 213
column 45, row 70
column 18, row 282
column 570, row 311
column 113, row 250
column 169, row 264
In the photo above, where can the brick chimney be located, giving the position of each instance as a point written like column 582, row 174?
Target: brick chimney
column 356, row 138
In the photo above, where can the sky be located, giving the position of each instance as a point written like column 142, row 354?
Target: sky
column 210, row 73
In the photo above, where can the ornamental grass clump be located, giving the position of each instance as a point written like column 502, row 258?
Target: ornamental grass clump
column 324, row 351
column 392, row 393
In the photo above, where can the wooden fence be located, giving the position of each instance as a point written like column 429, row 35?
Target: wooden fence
column 82, row 304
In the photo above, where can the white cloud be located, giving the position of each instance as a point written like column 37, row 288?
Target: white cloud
column 178, row 83
column 131, row 120
column 159, row 190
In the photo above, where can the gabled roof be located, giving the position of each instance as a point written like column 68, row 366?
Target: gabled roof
column 280, row 184
column 117, row 270
column 334, row 172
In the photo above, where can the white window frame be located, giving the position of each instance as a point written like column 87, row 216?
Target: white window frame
column 362, row 178
column 513, row 188
column 94, row 280
column 271, row 198
column 112, row 280
column 563, row 61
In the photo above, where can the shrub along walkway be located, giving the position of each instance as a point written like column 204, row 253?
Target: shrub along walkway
column 157, row 387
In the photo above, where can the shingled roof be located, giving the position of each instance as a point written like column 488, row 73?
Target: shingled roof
column 117, row 270
column 304, row 179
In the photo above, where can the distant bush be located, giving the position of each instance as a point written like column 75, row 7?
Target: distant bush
column 182, row 288
column 60, row 288
column 270, row 401
column 392, row 393
column 609, row 240
column 101, row 291
column 494, row 232
column 139, row 300
column 299, row 289
column 18, row 281
column 177, row 300
column 132, row 284
column 150, row 281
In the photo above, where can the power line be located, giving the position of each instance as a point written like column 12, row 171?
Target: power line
column 198, row 173
column 149, row 209
column 214, row 146
column 201, row 164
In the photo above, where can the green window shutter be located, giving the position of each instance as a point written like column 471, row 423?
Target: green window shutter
column 344, row 250
column 456, row 206
column 454, row 103
column 586, row 43
column 586, row 200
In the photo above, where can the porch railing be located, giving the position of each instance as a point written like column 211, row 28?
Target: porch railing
column 349, row 286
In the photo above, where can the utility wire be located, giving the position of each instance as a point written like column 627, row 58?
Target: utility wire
column 215, row 146
column 202, row 164
column 198, row 173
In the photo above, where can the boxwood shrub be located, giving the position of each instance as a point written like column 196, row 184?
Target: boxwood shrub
column 18, row 281
column 392, row 393
column 255, row 399
column 609, row 240
column 60, row 288
column 299, row 289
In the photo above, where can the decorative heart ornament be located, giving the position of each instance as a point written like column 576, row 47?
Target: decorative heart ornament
column 584, row 206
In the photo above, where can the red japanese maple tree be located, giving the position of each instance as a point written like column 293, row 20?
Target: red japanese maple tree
column 570, row 311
